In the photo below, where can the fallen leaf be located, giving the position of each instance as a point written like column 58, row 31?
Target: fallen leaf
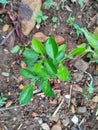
column 40, row 36
column 5, row 28
column 59, row 39
column 81, row 65
column 95, row 99
column 9, row 103
column 56, row 127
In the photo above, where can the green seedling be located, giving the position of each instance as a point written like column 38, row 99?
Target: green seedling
column 41, row 17
column 4, row 2
column 50, row 3
column 93, row 45
column 45, row 62
column 80, row 2
column 54, row 19
column 3, row 100
column 71, row 22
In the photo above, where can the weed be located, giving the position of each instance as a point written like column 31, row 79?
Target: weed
column 54, row 19
column 40, row 17
column 71, row 22
column 2, row 99
column 4, row 2
column 45, row 62
column 50, row 3
column 80, row 2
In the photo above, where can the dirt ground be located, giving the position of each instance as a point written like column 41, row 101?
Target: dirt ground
column 39, row 114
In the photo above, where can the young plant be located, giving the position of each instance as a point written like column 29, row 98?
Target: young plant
column 71, row 22
column 40, row 17
column 44, row 62
column 2, row 99
column 93, row 45
column 4, row 2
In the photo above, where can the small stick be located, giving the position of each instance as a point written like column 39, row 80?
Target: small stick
column 8, row 35
column 5, row 127
column 70, row 96
column 58, row 108
column 13, row 107
column 19, row 126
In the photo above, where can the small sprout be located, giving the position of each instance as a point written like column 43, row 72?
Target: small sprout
column 3, row 99
column 54, row 19
column 70, row 20
column 40, row 17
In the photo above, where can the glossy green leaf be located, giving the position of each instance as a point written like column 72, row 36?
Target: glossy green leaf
column 43, row 73
column 92, row 38
column 26, row 73
column 37, row 67
column 15, row 49
column 50, row 67
column 37, row 46
column 62, row 47
column 51, row 48
column 46, row 88
column 30, row 56
column 63, row 73
column 78, row 51
column 26, row 94
column 60, row 56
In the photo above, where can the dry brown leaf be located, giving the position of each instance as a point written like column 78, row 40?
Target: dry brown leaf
column 40, row 36
column 81, row 65
column 95, row 98
column 9, row 103
column 5, row 28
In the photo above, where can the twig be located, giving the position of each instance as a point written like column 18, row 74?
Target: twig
column 5, row 127
column 13, row 107
column 70, row 96
column 8, row 35
column 19, row 126
column 58, row 108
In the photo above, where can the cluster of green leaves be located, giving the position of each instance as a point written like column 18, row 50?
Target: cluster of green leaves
column 80, row 2
column 4, row 1
column 92, row 44
column 41, row 17
column 51, row 3
column 71, row 22
column 44, row 62
column 2, row 99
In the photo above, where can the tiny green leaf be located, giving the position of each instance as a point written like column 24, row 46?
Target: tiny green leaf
column 47, row 89
column 37, row 46
column 15, row 49
column 26, row 94
column 63, row 73
column 62, row 47
column 51, row 48
column 26, row 73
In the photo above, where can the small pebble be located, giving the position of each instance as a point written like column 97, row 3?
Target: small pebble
column 6, row 74
column 82, row 109
column 45, row 126
column 74, row 119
